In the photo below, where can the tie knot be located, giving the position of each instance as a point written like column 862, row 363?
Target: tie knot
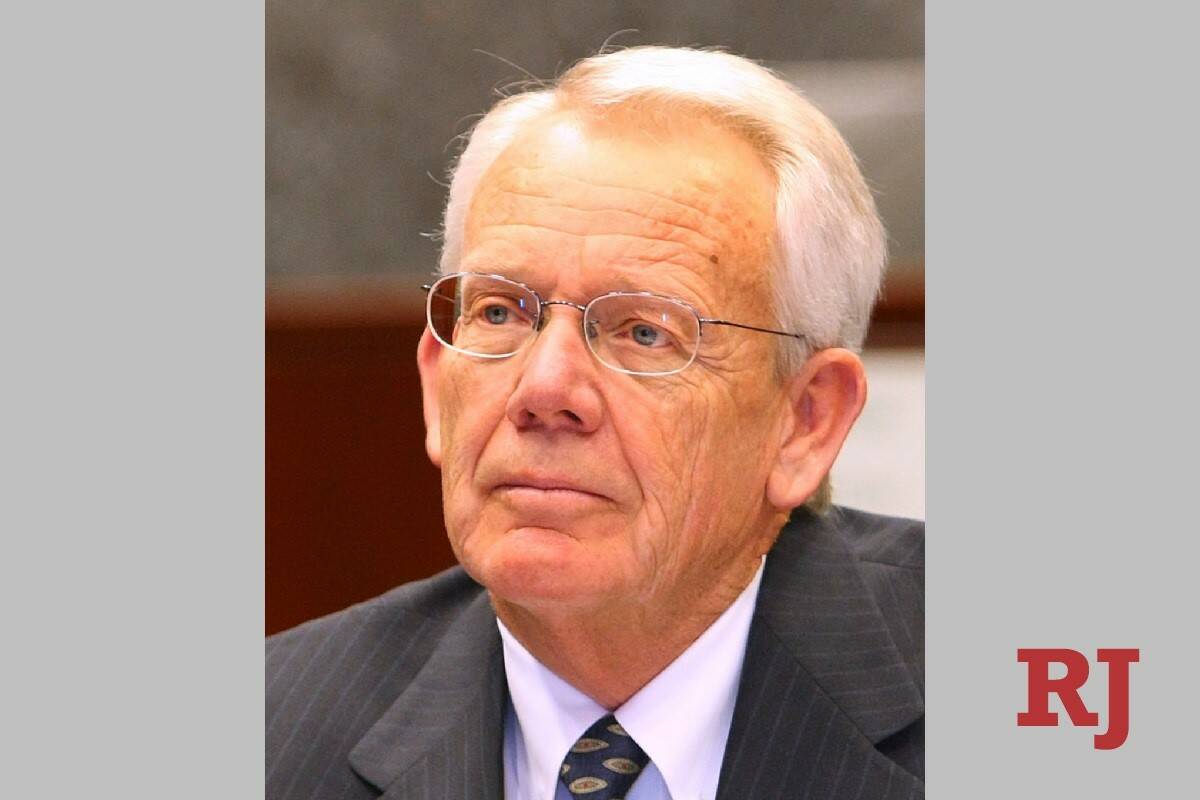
column 603, row 763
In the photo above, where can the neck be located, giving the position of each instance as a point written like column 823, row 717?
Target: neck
column 577, row 644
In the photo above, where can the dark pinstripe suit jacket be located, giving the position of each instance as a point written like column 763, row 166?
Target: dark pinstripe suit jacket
column 404, row 695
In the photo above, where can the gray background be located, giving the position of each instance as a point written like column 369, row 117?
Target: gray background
column 1062, row 427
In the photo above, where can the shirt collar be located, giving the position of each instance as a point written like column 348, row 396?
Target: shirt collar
column 700, row 686
column 551, row 711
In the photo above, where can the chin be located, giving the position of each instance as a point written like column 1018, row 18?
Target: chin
column 538, row 566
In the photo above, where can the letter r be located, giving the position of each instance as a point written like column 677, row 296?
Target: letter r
column 1066, row 687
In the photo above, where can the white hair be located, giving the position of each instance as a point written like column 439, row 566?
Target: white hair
column 830, row 248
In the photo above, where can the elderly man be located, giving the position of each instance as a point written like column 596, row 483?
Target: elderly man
column 638, row 369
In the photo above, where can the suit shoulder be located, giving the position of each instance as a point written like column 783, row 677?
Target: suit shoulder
column 425, row 607
column 890, row 553
column 880, row 539
column 329, row 680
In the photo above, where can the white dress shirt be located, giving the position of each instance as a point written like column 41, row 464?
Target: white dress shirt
column 680, row 718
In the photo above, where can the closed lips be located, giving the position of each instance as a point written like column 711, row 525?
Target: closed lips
column 545, row 485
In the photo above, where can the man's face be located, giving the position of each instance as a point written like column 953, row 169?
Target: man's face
column 567, row 483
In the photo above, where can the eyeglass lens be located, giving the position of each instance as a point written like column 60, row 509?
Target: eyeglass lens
column 482, row 315
column 492, row 317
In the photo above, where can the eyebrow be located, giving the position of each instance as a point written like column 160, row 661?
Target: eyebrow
column 678, row 289
column 505, row 268
column 622, row 282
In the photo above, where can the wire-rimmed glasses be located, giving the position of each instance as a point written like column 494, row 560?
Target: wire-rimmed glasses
column 638, row 333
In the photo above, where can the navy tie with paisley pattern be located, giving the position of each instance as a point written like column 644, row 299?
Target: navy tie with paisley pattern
column 603, row 763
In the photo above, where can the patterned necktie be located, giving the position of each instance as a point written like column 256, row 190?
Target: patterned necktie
column 604, row 763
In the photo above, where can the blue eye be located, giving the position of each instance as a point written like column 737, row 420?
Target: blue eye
column 645, row 335
column 497, row 315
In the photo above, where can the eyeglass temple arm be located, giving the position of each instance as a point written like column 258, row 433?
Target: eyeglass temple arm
column 799, row 336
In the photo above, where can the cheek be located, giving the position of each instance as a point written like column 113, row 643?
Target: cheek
column 469, row 416
column 667, row 439
column 701, row 460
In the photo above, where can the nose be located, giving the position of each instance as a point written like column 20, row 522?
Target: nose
column 557, row 390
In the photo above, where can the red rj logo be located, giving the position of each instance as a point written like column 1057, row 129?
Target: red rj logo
column 1067, row 689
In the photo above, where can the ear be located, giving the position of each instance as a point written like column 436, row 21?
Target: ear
column 824, row 399
column 429, row 351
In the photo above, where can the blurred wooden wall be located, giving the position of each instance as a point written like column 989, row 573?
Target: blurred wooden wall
column 353, row 505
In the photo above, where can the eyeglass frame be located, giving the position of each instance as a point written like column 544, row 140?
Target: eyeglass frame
column 539, row 323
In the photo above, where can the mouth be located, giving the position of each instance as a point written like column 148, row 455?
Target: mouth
column 549, row 489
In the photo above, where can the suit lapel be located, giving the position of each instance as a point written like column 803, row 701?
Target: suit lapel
column 442, row 739
column 822, row 683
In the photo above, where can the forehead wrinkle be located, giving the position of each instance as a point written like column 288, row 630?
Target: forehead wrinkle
column 581, row 216
column 568, row 225
column 583, row 235
column 698, row 203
